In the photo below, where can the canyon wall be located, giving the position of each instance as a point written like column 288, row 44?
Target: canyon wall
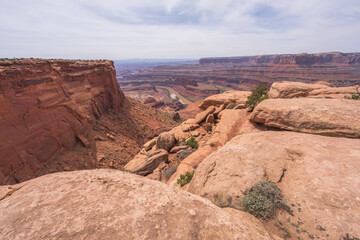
column 245, row 73
column 46, row 107
column 333, row 58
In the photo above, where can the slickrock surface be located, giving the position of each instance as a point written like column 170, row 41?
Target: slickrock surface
column 45, row 106
column 110, row 204
column 318, row 175
column 298, row 89
column 333, row 117
column 229, row 97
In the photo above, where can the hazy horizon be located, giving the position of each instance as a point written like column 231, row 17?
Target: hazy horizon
column 176, row 29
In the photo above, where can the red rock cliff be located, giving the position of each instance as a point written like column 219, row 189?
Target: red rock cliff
column 45, row 106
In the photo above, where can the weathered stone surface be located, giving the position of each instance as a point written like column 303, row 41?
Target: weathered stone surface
column 166, row 141
column 318, row 176
column 203, row 115
column 318, row 90
column 149, row 144
column 144, row 164
column 229, row 97
column 83, row 140
column 210, row 119
column 110, row 204
column 44, row 105
column 228, row 127
column 175, row 149
column 333, row 117
column 188, row 128
column 218, row 109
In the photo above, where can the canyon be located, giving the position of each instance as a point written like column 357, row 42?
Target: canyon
column 50, row 106
column 215, row 75
column 62, row 116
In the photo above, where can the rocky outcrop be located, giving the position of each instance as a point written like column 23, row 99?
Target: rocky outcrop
column 203, row 115
column 165, row 141
column 332, row 117
column 46, row 106
column 232, row 123
column 334, row 58
column 298, row 89
column 146, row 163
column 318, row 176
column 110, row 204
column 227, row 98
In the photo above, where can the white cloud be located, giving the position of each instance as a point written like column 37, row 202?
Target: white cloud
column 176, row 28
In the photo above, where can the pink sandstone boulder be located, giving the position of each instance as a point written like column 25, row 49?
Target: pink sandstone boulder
column 318, row 175
column 110, row 204
column 333, row 117
column 318, row 90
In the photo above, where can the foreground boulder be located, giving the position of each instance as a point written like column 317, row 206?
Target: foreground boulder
column 332, row 117
column 318, row 175
column 226, row 98
column 318, row 90
column 110, row 204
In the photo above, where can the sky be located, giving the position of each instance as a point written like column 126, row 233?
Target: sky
column 130, row 29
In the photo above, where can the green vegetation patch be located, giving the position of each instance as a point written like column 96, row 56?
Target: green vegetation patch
column 263, row 200
column 192, row 143
column 185, row 178
column 257, row 95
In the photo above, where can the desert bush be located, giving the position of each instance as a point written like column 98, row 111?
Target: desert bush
column 168, row 172
column 355, row 96
column 349, row 237
column 263, row 200
column 185, row 178
column 257, row 95
column 192, row 143
column 222, row 199
column 181, row 155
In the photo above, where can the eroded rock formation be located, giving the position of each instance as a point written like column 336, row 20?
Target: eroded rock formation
column 46, row 105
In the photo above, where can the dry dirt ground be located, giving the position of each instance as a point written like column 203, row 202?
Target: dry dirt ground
column 117, row 136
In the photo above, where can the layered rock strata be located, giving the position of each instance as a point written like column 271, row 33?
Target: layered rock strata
column 46, row 106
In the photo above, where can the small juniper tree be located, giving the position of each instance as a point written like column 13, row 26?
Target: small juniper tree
column 257, row 95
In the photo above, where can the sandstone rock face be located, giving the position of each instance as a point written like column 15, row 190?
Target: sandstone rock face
column 229, row 97
column 203, row 115
column 144, row 164
column 333, row 117
column 298, row 89
column 210, row 119
column 318, row 176
column 165, row 141
column 110, row 204
column 44, row 105
column 230, row 124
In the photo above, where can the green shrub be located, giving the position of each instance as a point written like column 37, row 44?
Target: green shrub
column 355, row 96
column 263, row 199
column 185, row 179
column 168, row 172
column 257, row 95
column 192, row 143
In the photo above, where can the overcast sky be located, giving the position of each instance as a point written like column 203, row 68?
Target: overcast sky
column 126, row 29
